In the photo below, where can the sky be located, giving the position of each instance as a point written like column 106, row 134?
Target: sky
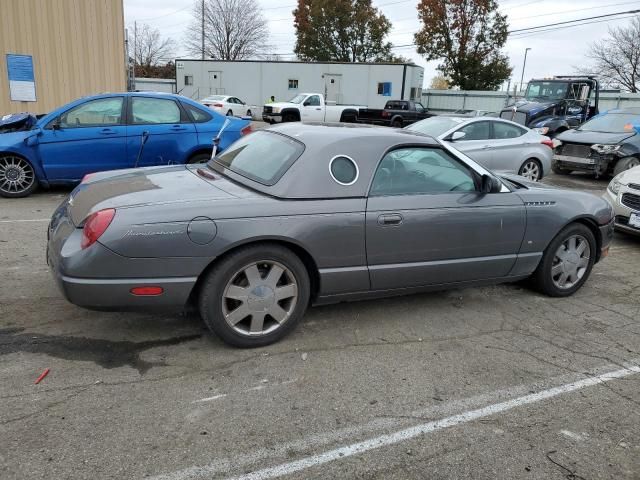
column 553, row 52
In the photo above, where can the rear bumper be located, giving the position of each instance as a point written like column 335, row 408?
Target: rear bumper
column 116, row 293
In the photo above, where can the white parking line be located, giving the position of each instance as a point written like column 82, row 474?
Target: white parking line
column 26, row 220
column 405, row 434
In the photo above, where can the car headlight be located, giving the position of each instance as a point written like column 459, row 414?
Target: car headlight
column 603, row 149
column 275, row 110
column 614, row 186
column 542, row 130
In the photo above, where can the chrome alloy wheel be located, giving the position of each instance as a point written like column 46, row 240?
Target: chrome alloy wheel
column 16, row 175
column 531, row 170
column 259, row 298
column 570, row 262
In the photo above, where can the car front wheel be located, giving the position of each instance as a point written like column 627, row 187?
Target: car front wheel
column 567, row 262
column 17, row 177
column 255, row 296
column 531, row 170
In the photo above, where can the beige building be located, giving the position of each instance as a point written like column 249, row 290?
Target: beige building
column 54, row 51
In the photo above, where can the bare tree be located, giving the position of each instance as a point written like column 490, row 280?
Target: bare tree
column 148, row 47
column 616, row 58
column 233, row 29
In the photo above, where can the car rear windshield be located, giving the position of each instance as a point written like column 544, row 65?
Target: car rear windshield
column 435, row 126
column 263, row 157
column 612, row 123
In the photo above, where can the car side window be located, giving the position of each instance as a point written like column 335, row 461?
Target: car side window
column 418, row 171
column 146, row 110
column 476, row 131
column 94, row 113
column 503, row 130
column 313, row 101
column 199, row 116
column 233, row 100
column 419, row 108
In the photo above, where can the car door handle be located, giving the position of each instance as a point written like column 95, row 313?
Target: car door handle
column 390, row 219
column 107, row 131
column 178, row 128
column 484, row 147
column 318, row 109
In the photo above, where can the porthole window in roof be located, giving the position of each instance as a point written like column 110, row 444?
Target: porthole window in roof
column 343, row 170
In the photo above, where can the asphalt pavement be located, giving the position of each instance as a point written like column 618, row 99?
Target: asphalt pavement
column 483, row 383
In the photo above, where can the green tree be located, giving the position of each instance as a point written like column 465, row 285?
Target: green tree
column 467, row 36
column 342, row 31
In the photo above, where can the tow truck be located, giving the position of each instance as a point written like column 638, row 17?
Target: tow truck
column 554, row 105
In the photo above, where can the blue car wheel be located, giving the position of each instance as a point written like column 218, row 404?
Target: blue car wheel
column 17, row 177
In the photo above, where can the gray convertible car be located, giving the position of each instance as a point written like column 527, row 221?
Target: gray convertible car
column 310, row 214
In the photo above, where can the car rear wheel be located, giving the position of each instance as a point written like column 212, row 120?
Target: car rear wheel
column 531, row 169
column 199, row 158
column 397, row 123
column 255, row 296
column 567, row 262
column 17, row 177
column 625, row 164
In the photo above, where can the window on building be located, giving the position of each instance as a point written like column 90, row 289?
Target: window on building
column 188, row 79
column 384, row 89
column 293, row 84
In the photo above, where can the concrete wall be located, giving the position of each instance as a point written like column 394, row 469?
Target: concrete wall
column 255, row 81
column 77, row 48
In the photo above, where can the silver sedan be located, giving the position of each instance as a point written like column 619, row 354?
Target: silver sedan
column 497, row 144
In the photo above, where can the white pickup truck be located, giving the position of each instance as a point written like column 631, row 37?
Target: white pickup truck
column 309, row 107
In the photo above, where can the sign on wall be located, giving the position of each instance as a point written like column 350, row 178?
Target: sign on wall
column 22, row 81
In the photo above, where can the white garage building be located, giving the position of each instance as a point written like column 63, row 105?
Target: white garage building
column 254, row 81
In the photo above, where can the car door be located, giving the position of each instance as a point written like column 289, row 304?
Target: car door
column 477, row 141
column 88, row 137
column 427, row 223
column 312, row 109
column 170, row 135
column 507, row 142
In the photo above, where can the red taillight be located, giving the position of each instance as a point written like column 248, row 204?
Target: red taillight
column 385, row 114
column 87, row 177
column 246, row 130
column 548, row 142
column 147, row 291
column 95, row 226
column 219, row 105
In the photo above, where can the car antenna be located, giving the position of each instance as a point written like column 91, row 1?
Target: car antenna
column 143, row 140
column 216, row 139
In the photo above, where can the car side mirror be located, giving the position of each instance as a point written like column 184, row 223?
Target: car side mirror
column 457, row 136
column 306, row 104
column 57, row 124
column 490, row 184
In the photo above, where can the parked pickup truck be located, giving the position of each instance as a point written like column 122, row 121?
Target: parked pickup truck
column 396, row 113
column 309, row 107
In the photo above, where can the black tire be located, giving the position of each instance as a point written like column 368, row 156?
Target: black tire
column 531, row 165
column 199, row 158
column 249, row 114
column 212, row 294
column 17, row 177
column 289, row 117
column 625, row 164
column 559, row 170
column 542, row 278
column 229, row 113
column 397, row 123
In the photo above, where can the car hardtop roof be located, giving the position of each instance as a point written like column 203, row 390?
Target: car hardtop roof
column 325, row 132
column 629, row 110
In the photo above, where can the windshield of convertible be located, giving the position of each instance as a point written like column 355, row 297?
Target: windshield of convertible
column 612, row 123
column 261, row 156
column 537, row 91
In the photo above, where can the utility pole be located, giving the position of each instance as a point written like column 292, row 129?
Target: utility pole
column 135, row 51
column 202, row 29
column 524, row 64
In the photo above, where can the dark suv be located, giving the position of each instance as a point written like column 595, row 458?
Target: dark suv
column 396, row 113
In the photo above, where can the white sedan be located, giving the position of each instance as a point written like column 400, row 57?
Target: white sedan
column 228, row 105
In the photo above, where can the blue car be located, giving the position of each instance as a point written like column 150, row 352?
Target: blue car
column 107, row 132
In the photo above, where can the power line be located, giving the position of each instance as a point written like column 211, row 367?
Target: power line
column 537, row 32
column 574, row 10
column 573, row 21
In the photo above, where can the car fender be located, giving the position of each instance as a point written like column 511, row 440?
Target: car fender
column 291, row 110
column 16, row 144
